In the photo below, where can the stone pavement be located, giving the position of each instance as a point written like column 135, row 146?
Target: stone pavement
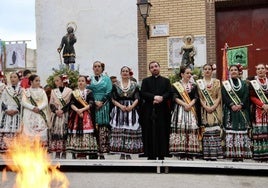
column 139, row 173
column 148, row 180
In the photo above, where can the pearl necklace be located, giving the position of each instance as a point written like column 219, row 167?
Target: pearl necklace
column 238, row 87
column 264, row 86
column 125, row 89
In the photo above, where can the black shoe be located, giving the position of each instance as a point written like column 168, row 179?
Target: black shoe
column 57, row 156
column 183, row 156
column 122, row 157
column 169, row 155
column 128, row 157
column 190, row 158
column 63, row 155
column 101, row 157
column 73, row 156
column 93, row 156
column 142, row 155
column 237, row 160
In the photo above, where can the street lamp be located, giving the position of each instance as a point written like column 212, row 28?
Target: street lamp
column 144, row 9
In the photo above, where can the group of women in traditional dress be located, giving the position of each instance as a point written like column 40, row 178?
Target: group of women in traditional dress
column 215, row 118
column 75, row 121
column 209, row 119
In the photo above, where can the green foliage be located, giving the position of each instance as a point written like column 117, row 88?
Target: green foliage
column 197, row 74
column 175, row 76
column 64, row 70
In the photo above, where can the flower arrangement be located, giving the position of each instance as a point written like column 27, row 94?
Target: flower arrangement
column 70, row 77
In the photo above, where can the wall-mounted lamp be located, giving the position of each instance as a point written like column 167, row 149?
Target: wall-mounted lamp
column 144, row 9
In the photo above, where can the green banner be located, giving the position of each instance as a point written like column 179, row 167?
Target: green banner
column 238, row 55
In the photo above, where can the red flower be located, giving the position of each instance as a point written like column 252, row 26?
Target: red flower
column 88, row 80
column 131, row 73
column 2, row 74
column 65, row 79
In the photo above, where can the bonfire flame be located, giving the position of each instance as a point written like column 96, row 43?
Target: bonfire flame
column 32, row 164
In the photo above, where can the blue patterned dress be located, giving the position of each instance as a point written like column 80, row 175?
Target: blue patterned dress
column 101, row 89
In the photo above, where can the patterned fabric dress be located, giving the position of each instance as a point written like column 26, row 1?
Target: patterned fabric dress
column 260, row 123
column 59, row 100
column 2, row 88
column 184, row 126
column 211, row 141
column 236, row 124
column 9, row 125
column 102, row 90
column 81, row 137
column 126, row 135
column 35, row 124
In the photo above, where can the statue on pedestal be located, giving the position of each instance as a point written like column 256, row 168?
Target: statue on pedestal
column 67, row 44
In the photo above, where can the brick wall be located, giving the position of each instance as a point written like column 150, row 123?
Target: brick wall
column 195, row 17
column 183, row 16
column 142, row 48
column 210, row 31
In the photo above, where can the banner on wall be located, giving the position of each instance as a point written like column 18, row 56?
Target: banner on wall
column 238, row 56
column 2, row 54
column 15, row 55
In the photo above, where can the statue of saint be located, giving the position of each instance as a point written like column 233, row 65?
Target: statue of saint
column 67, row 43
column 188, row 51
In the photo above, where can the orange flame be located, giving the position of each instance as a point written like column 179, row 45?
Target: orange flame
column 32, row 164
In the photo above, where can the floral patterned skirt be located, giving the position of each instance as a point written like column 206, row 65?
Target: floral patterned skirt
column 126, row 141
column 238, row 145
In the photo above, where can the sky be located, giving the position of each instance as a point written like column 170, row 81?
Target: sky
column 17, row 21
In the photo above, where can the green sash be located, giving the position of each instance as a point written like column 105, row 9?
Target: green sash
column 236, row 100
column 256, row 86
column 206, row 95
column 59, row 96
column 35, row 104
column 15, row 97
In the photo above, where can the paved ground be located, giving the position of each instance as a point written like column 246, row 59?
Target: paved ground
column 149, row 179
column 184, row 175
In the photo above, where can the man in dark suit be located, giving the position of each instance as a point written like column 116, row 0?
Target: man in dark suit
column 155, row 115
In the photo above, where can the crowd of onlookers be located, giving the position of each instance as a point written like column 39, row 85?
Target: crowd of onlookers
column 188, row 119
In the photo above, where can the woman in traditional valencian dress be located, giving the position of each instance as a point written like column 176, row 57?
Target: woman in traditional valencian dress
column 184, row 140
column 235, row 94
column 126, row 135
column 35, row 111
column 10, row 103
column 259, row 95
column 101, row 87
column 81, row 138
column 59, row 106
column 209, row 90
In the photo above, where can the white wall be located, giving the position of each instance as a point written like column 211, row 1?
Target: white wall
column 106, row 31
